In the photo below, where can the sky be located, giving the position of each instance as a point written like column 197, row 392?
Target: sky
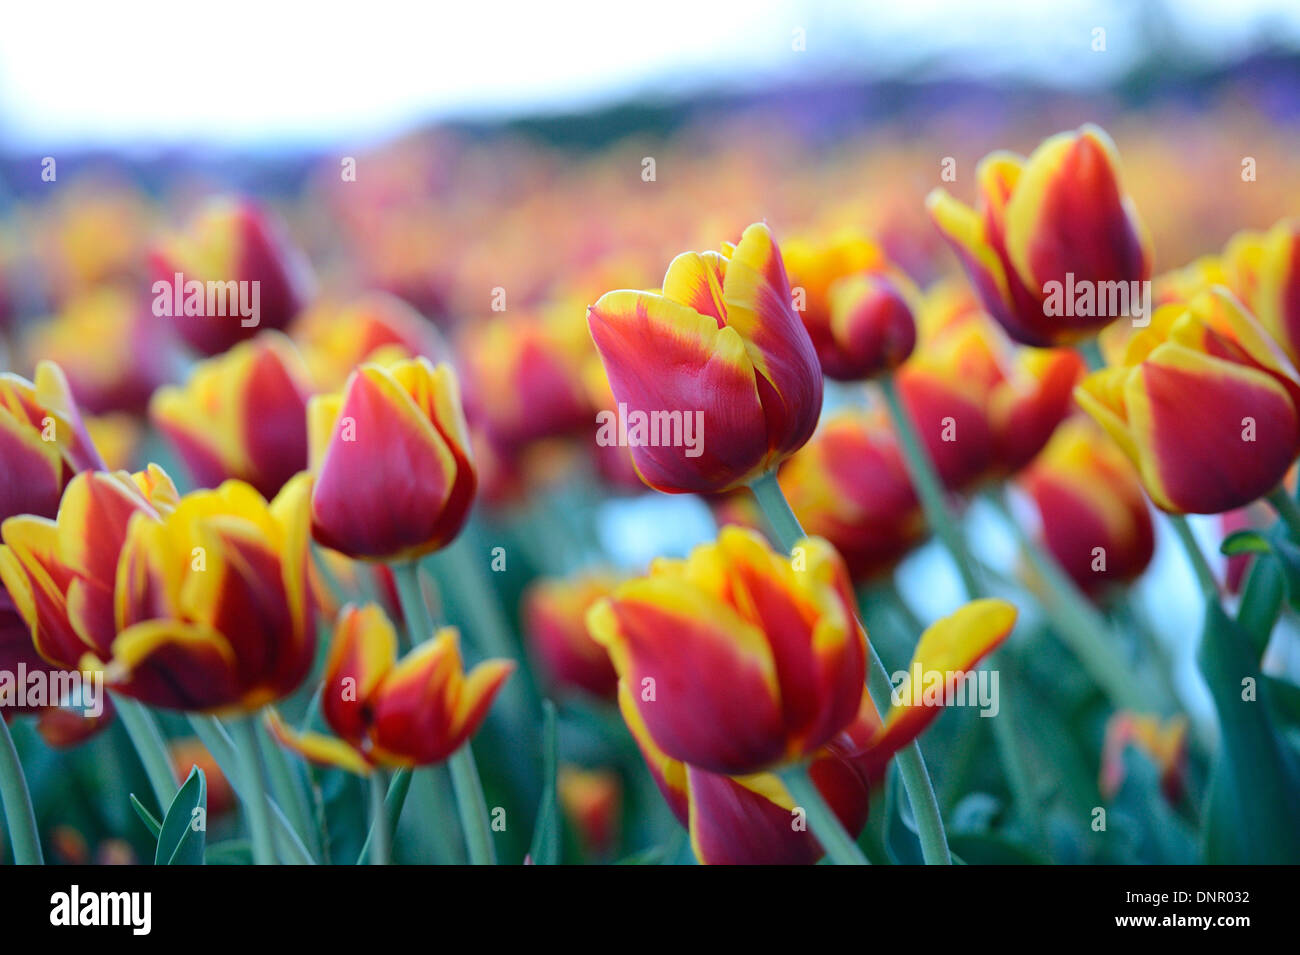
column 151, row 73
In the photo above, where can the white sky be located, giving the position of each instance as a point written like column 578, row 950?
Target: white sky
column 248, row 73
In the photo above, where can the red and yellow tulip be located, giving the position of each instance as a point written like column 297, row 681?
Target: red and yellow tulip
column 555, row 621
column 721, row 339
column 242, row 415
column 850, row 485
column 1164, row 742
column 43, row 442
column 748, row 819
column 592, row 800
column 1203, row 402
column 1095, row 518
column 389, row 712
column 232, row 241
column 1060, row 216
column 394, row 478
column 738, row 658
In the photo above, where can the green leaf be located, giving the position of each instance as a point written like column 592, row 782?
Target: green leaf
column 231, row 852
column 180, row 842
column 1284, row 699
column 1255, row 783
column 152, row 824
column 1245, row 542
column 545, row 848
column 1261, row 601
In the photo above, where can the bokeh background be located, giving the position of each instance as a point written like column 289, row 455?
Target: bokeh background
column 503, row 146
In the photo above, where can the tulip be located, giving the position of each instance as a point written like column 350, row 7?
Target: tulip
column 391, row 713
column 1204, row 403
column 43, row 442
column 394, row 474
column 1060, row 216
column 1163, row 741
column 853, row 305
column 524, row 377
column 983, row 407
column 747, row 820
column 229, row 241
column 741, row 660
column 242, row 415
column 335, row 337
column 721, row 342
column 106, row 345
column 591, row 800
column 555, row 621
column 1265, row 274
column 850, row 485
column 1095, row 518
column 195, row 604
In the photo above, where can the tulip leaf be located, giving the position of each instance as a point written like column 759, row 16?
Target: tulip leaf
column 181, row 840
column 151, row 823
column 545, row 848
column 1261, row 601
column 231, row 852
column 1250, row 816
column 1284, row 698
column 1245, row 542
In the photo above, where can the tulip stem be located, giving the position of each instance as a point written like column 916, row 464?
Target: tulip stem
column 20, row 818
column 472, row 806
column 1200, row 567
column 1288, row 510
column 929, row 488
column 149, row 745
column 394, row 800
column 419, row 625
column 380, row 837
column 911, row 764
column 826, row 827
column 249, row 754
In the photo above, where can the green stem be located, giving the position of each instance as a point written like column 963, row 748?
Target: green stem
column 419, row 624
column 934, row 502
column 20, row 818
column 472, row 807
column 1288, row 510
column 394, row 800
column 218, row 742
column 288, row 791
column 1077, row 622
column 1200, row 567
column 380, row 835
column 826, row 827
column 911, row 765
column 149, row 745
column 248, row 753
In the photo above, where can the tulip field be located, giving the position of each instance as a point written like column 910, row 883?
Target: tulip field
column 754, row 484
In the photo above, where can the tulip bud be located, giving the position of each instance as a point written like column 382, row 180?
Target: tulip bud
column 242, row 415
column 1162, row 741
column 720, row 345
column 1054, row 222
column 394, row 476
column 555, row 620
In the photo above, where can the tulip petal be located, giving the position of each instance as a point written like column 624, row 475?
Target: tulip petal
column 317, row 747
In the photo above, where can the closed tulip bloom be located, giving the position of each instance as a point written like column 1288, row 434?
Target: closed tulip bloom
column 592, row 800
column 746, row 819
column 389, row 712
column 242, row 415
column 1060, row 216
column 1266, row 275
column 212, row 605
column 983, row 406
column 555, row 621
column 229, row 241
column 335, row 337
column 1095, row 518
column 1204, row 403
column 739, row 662
column 854, row 306
column 720, row 342
column 850, row 485
column 1164, row 742
column 43, row 442
column 394, row 475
